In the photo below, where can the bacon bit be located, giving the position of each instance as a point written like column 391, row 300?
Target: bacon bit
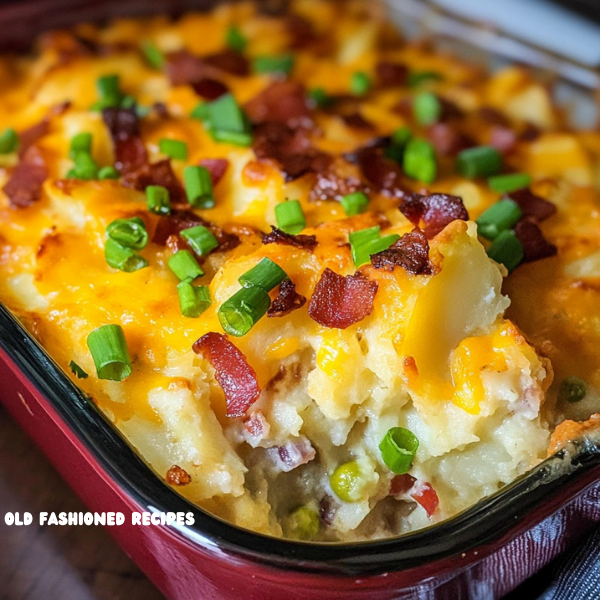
column 159, row 173
column 24, row 186
column 124, row 128
column 535, row 245
column 404, row 108
column 281, row 102
column 161, row 109
column 391, row 74
column 229, row 61
column 232, row 371
column 357, row 121
column 182, row 67
column 209, row 89
column 534, row 207
column 256, row 425
column 301, row 31
column 287, row 300
column 340, row 301
column 337, row 180
column 307, row 242
column 493, row 116
column 503, row 139
column 427, row 497
column 178, row 476
column 530, row 133
column 401, row 484
column 436, row 211
column 216, row 167
column 293, row 454
column 381, row 172
column 411, row 252
column 32, row 134
column 327, row 509
column 447, row 140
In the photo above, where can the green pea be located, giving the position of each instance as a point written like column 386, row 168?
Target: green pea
column 348, row 482
column 303, row 523
column 572, row 389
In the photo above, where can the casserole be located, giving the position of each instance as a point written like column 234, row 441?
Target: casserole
column 339, row 549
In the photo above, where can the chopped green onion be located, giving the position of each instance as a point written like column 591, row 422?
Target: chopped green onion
column 354, row 204
column 266, row 275
column 82, row 142
column 193, row 300
column 348, row 482
column 303, row 523
column 198, row 186
column 507, row 250
column 398, row 448
column 243, row 310
column 123, row 258
column 173, row 148
column 289, row 217
column 77, row 370
column 416, row 78
column 108, row 173
column 360, row 83
column 419, row 160
column 9, row 141
column 157, row 199
column 201, row 111
column 130, row 233
column 237, row 138
column 129, row 102
column 281, row 65
column 361, row 253
column 509, row 183
column 184, row 265
column 108, row 347
column 319, row 97
column 572, row 389
column 224, row 120
column 427, row 108
column 200, row 239
column 109, row 92
column 85, row 167
column 364, row 236
column 481, row 161
column 398, row 141
column 498, row 217
column 235, row 39
column 153, row 55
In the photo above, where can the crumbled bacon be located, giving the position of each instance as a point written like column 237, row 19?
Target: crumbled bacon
column 336, row 181
column 32, row 134
column 301, row 31
column 327, row 509
column 124, row 128
column 357, row 121
column 340, row 301
column 209, row 89
column 282, row 102
column 381, row 172
column 401, row 484
column 530, row 133
column 426, row 496
column 158, row 173
column 24, row 187
column 493, row 116
column 411, row 252
column 229, row 61
column 534, row 207
column 216, row 167
column 232, row 371
column 535, row 245
column 391, row 74
column 293, row 454
column 182, row 67
column 447, row 140
column 435, row 211
column 178, row 476
column 287, row 300
column 308, row 242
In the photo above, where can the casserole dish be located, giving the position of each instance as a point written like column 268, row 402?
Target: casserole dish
column 343, row 559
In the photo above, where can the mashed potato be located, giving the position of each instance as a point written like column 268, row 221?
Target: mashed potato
column 282, row 424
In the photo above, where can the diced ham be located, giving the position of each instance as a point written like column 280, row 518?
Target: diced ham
column 293, row 454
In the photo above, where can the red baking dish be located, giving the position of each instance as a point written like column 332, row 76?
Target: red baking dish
column 483, row 552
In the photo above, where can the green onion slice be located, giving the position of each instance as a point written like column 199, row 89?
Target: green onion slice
column 419, row 160
column 108, row 347
column 109, row 92
column 481, row 161
column 360, row 83
column 155, row 58
column 361, row 253
column 77, row 370
column 398, row 448
column 200, row 239
column 498, row 217
column 427, row 108
column 173, row 148
column 280, row 65
column 198, row 186
column 363, row 236
column 157, row 199
column 184, row 264
column 290, row 217
column 108, row 172
column 235, row 39
column 319, row 97
column 509, row 183
column 354, row 204
column 236, row 138
column 85, row 167
column 416, row 78
column 224, row 120
column 243, row 310
column 266, row 275
column 193, row 300
column 82, row 142
column 507, row 250
column 123, row 258
column 9, row 141
column 130, row 233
